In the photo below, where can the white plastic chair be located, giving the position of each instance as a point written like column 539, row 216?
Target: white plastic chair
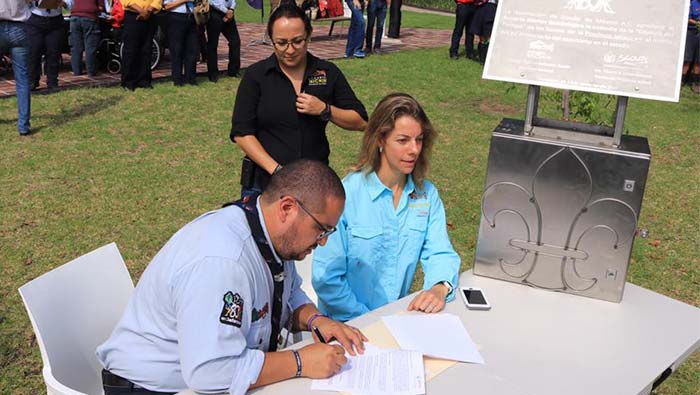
column 73, row 309
column 304, row 270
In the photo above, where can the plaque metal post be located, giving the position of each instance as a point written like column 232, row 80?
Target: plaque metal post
column 534, row 125
column 533, row 98
column 619, row 125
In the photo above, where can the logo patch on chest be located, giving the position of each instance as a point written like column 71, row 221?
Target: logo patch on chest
column 318, row 78
column 232, row 312
column 415, row 195
column 260, row 314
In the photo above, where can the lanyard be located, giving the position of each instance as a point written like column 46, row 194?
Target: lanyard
column 250, row 209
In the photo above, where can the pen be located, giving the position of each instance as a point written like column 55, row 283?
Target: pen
column 319, row 335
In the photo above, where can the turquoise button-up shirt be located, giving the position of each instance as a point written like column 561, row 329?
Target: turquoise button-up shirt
column 370, row 261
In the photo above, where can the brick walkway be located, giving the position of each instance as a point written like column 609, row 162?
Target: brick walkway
column 321, row 45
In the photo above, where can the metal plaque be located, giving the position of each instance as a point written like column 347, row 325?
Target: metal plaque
column 621, row 47
column 559, row 214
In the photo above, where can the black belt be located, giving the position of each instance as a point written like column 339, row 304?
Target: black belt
column 112, row 381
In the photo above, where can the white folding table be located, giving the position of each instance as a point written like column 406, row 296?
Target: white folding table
column 537, row 342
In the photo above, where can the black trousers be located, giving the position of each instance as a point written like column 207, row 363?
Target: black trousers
column 115, row 385
column 394, row 19
column 463, row 18
column 215, row 27
column 183, row 42
column 137, row 37
column 45, row 36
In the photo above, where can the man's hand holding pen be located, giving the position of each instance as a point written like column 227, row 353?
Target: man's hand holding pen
column 325, row 329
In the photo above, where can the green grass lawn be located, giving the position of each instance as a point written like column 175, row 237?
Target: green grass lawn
column 109, row 165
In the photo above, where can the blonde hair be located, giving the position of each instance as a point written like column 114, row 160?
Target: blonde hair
column 382, row 122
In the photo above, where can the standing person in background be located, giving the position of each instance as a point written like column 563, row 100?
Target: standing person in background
column 464, row 14
column 183, row 40
column 137, row 36
column 284, row 103
column 376, row 11
column 13, row 39
column 692, row 47
column 46, row 32
column 356, row 31
column 393, row 219
column 85, row 35
column 394, row 19
column 222, row 19
column 482, row 25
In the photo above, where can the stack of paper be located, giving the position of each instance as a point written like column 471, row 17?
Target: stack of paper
column 435, row 335
column 378, row 371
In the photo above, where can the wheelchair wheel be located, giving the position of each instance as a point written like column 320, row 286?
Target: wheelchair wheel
column 114, row 66
column 5, row 65
column 156, row 53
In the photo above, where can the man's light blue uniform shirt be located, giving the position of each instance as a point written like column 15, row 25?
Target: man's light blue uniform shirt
column 171, row 338
column 370, row 261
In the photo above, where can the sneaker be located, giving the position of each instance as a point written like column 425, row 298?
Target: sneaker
column 695, row 87
column 359, row 54
column 454, row 57
column 24, row 132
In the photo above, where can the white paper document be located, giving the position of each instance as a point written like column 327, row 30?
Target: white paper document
column 434, row 335
column 378, row 371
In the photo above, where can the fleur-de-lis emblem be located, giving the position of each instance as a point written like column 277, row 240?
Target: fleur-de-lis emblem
column 553, row 223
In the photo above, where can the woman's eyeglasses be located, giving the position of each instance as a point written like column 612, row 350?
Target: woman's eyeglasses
column 296, row 43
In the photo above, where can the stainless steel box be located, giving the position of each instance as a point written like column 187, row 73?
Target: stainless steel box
column 561, row 214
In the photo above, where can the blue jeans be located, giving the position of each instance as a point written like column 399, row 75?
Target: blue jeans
column 84, row 36
column 13, row 37
column 375, row 10
column 356, row 31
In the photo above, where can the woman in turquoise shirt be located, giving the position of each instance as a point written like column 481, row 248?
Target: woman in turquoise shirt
column 393, row 218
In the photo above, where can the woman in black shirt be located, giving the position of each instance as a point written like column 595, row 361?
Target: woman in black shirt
column 285, row 101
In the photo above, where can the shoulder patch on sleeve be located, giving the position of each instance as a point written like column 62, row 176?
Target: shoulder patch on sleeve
column 232, row 312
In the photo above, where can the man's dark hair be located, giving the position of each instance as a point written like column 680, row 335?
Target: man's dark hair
column 308, row 180
column 289, row 9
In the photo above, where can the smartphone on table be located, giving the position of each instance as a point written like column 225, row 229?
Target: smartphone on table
column 474, row 298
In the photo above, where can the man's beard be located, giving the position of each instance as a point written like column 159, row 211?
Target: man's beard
column 285, row 246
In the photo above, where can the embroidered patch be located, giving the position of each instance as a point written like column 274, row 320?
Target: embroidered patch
column 318, row 78
column 260, row 314
column 417, row 195
column 232, row 313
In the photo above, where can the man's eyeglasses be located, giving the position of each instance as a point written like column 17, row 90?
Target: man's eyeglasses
column 296, row 43
column 325, row 230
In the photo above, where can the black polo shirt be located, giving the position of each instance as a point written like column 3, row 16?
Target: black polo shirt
column 266, row 107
